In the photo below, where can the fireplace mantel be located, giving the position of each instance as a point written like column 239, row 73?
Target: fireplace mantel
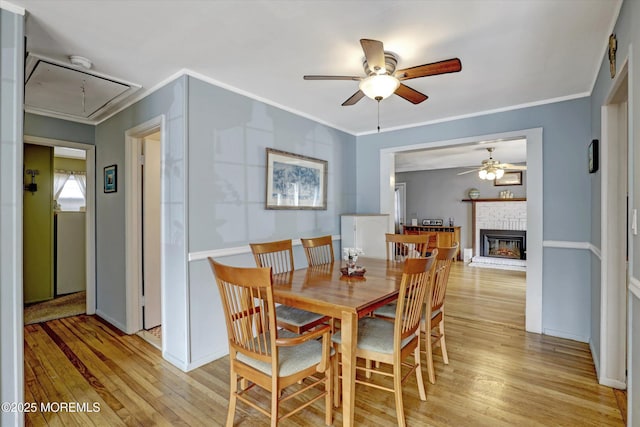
column 519, row 199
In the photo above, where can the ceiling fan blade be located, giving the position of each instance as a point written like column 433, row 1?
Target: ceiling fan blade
column 332, row 78
column 442, row 67
column 374, row 52
column 354, row 98
column 513, row 167
column 410, row 95
column 466, row 172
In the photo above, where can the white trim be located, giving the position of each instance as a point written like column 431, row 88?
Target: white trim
column 596, row 359
column 613, row 307
column 90, row 215
column 565, row 244
column 12, row 8
column 111, row 320
column 59, row 116
column 238, row 250
column 533, row 315
column 482, row 113
column 634, row 287
column 204, row 360
column 565, row 335
column 613, row 383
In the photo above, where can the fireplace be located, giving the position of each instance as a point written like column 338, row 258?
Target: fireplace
column 503, row 243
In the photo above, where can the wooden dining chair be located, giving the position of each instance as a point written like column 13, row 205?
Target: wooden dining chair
column 319, row 250
column 279, row 256
column 433, row 325
column 433, row 237
column 393, row 342
column 265, row 356
column 403, row 246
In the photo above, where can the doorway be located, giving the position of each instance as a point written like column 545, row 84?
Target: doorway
column 151, row 300
column 400, row 201
column 144, row 230
column 81, row 225
column 615, row 228
column 533, row 305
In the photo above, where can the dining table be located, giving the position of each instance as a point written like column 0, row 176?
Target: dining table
column 325, row 290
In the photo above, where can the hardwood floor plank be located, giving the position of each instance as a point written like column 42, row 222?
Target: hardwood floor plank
column 498, row 375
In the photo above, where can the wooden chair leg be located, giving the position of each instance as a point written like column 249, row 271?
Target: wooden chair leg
column 275, row 398
column 429, row 348
column 443, row 346
column 397, row 391
column 419, row 379
column 368, row 365
column 337, row 389
column 232, row 397
column 328, row 385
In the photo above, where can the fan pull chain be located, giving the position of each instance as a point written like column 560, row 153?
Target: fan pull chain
column 378, row 98
column 83, row 97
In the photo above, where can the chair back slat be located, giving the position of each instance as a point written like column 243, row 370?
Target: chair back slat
column 441, row 276
column 403, row 246
column 319, row 250
column 247, row 300
column 277, row 255
column 413, row 290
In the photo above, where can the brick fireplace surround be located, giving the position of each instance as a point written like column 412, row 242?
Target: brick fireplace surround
column 497, row 214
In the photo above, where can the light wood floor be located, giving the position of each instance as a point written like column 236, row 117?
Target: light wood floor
column 498, row 375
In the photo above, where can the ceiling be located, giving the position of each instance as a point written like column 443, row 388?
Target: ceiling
column 461, row 156
column 513, row 53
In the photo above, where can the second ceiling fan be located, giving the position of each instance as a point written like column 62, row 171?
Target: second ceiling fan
column 382, row 79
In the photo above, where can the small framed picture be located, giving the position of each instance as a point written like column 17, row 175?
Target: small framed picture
column 111, row 179
column 509, row 178
column 593, row 156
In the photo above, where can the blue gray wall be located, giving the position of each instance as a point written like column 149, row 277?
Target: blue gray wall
column 427, row 197
column 11, row 101
column 228, row 137
column 64, row 130
column 169, row 101
column 566, row 196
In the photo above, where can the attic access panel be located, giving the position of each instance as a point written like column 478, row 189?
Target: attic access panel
column 64, row 90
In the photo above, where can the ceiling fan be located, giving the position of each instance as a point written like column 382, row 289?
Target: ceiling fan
column 382, row 80
column 492, row 168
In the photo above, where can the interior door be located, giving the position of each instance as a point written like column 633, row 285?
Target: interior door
column 151, row 253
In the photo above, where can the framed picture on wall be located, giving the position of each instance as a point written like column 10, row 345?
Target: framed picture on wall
column 295, row 181
column 593, row 156
column 509, row 178
column 110, row 179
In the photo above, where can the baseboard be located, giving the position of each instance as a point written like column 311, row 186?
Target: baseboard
column 180, row 364
column 204, row 360
column 596, row 359
column 114, row 322
column 565, row 335
column 613, row 383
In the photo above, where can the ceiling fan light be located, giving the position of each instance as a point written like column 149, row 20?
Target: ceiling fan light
column 379, row 86
column 491, row 176
column 499, row 173
column 482, row 174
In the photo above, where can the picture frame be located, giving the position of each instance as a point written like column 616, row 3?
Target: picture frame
column 295, row 181
column 593, row 156
column 509, row 178
column 111, row 179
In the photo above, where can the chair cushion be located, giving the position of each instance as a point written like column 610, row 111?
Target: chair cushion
column 290, row 359
column 295, row 316
column 389, row 310
column 374, row 335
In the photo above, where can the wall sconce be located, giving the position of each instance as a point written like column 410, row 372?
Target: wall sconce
column 33, row 187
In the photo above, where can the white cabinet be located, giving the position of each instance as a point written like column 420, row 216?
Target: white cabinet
column 365, row 232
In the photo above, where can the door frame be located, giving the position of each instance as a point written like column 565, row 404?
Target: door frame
column 90, row 216
column 402, row 187
column 133, row 223
column 533, row 310
column 613, row 296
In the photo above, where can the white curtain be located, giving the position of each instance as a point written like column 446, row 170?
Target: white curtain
column 60, row 178
column 81, row 179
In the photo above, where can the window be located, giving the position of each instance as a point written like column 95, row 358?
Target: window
column 71, row 197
